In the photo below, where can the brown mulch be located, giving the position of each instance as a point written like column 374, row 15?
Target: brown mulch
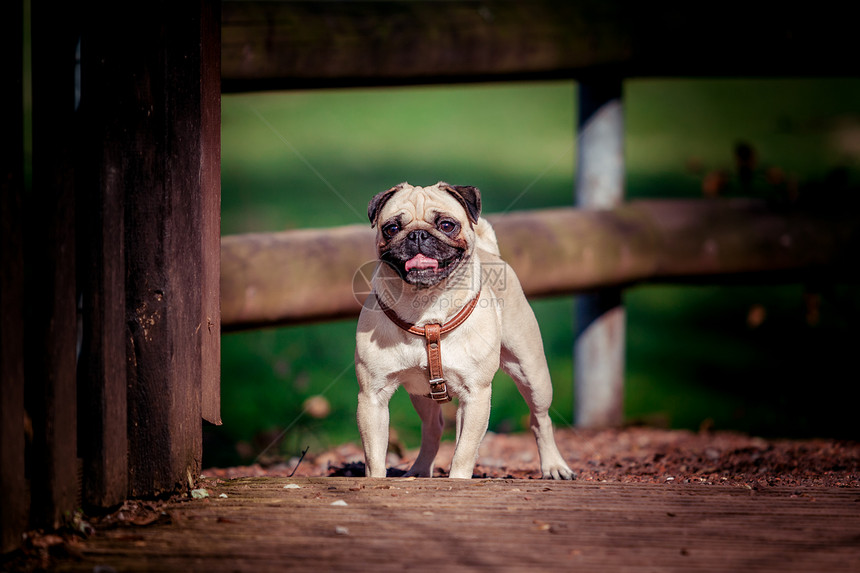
column 630, row 455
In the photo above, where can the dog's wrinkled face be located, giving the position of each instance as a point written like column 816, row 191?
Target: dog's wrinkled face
column 424, row 233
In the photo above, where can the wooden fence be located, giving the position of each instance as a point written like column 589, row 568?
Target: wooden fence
column 310, row 274
column 110, row 261
column 267, row 45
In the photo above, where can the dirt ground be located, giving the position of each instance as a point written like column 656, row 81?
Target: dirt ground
column 630, row 455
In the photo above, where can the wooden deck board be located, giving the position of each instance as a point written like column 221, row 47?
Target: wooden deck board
column 498, row 525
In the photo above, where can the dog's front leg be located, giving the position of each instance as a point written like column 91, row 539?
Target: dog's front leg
column 372, row 418
column 473, row 416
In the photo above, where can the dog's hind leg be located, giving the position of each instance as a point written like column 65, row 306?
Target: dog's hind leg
column 431, row 434
column 534, row 384
column 523, row 359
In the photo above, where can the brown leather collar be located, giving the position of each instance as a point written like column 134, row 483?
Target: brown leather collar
column 432, row 333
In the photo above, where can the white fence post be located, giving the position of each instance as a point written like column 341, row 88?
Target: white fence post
column 600, row 316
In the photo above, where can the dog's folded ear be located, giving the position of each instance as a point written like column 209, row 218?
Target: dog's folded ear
column 468, row 196
column 379, row 201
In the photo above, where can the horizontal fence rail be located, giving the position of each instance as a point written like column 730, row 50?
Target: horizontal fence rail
column 276, row 45
column 317, row 274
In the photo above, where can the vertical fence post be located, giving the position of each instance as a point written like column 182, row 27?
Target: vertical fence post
column 101, row 191
column 156, row 87
column 210, row 173
column 13, row 487
column 49, row 251
column 600, row 316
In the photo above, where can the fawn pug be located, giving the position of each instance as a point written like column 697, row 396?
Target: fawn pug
column 444, row 314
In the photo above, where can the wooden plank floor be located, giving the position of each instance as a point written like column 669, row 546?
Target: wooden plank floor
column 346, row 524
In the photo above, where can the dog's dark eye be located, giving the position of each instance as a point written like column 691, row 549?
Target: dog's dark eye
column 446, row 226
column 391, row 230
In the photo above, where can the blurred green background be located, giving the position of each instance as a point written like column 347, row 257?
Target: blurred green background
column 772, row 360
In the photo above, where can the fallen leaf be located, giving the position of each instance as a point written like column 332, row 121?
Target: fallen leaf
column 144, row 519
column 48, row 540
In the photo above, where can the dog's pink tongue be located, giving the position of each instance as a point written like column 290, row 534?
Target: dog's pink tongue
column 420, row 261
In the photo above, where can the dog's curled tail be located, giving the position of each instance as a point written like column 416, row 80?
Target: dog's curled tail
column 486, row 237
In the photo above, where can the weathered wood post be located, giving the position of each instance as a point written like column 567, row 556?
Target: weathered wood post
column 600, row 317
column 101, row 191
column 172, row 190
column 49, row 251
column 210, row 184
column 151, row 96
column 13, row 486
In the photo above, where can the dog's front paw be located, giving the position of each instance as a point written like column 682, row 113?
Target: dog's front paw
column 558, row 471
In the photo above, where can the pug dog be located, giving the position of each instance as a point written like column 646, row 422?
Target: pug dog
column 440, row 274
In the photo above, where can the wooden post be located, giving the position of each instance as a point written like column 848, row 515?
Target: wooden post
column 210, row 173
column 155, row 63
column 13, row 509
column 49, row 249
column 600, row 317
column 102, row 405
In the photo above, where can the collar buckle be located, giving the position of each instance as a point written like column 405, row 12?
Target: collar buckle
column 439, row 390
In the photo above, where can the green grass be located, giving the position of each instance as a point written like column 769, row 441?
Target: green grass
column 313, row 159
column 330, row 151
